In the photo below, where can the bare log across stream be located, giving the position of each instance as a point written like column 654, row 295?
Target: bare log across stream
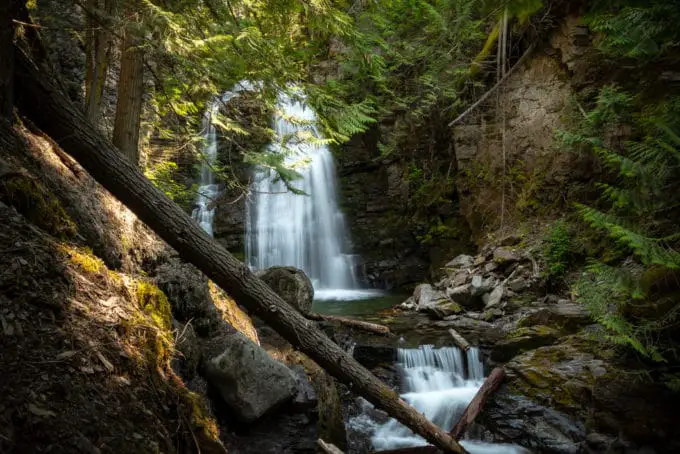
column 471, row 412
column 50, row 110
column 459, row 340
column 366, row 326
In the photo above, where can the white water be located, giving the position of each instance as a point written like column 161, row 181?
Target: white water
column 208, row 189
column 437, row 383
column 304, row 231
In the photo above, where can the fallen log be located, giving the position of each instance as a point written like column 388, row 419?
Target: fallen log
column 459, row 340
column 366, row 326
column 477, row 403
column 471, row 411
column 50, row 110
column 328, row 448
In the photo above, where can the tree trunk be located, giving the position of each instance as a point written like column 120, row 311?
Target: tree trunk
column 459, row 340
column 358, row 324
column 475, row 407
column 97, row 53
column 130, row 91
column 51, row 111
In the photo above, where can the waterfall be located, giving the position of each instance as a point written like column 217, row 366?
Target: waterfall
column 304, row 231
column 208, row 190
column 440, row 383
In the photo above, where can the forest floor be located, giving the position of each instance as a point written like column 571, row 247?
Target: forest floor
column 85, row 351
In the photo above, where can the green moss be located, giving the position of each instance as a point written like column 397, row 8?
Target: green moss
column 83, row 258
column 38, row 205
column 154, row 303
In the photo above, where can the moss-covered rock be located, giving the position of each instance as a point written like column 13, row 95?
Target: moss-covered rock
column 573, row 397
column 523, row 339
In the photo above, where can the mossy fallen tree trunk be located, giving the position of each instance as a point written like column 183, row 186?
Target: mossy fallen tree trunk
column 51, row 111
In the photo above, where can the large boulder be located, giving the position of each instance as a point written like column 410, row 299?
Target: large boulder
column 250, row 381
column 291, row 284
column 427, row 297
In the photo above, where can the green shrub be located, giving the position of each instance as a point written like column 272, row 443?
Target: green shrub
column 557, row 247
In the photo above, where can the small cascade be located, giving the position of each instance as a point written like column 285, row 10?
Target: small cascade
column 208, row 189
column 304, row 231
column 440, row 383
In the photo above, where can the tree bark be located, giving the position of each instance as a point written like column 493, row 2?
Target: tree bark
column 366, row 326
column 97, row 54
column 130, row 90
column 51, row 111
column 473, row 409
column 459, row 340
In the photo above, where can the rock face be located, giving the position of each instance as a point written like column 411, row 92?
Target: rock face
column 291, row 284
column 187, row 291
column 250, row 382
column 532, row 104
column 387, row 224
column 569, row 398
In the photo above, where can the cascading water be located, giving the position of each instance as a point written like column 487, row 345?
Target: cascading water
column 304, row 231
column 208, row 190
column 435, row 382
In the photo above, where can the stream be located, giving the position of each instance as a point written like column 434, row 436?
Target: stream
column 308, row 232
column 438, row 382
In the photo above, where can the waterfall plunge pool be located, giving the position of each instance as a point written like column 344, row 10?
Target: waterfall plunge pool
column 354, row 302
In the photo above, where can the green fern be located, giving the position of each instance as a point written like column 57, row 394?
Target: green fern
column 638, row 212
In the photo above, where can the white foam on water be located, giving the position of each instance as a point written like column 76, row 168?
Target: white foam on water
column 342, row 294
column 440, row 383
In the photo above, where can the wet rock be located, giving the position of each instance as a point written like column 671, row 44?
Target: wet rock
column 495, row 297
column 523, row 339
column 461, row 294
column 427, row 297
column 566, row 398
column 250, row 382
column 408, row 305
column 291, row 284
column 305, row 399
column 505, row 256
column 567, row 315
column 459, row 278
column 372, row 356
column 479, row 286
column 518, row 284
column 461, row 261
column 445, row 309
column 490, row 266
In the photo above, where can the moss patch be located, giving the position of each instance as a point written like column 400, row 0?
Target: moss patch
column 38, row 205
